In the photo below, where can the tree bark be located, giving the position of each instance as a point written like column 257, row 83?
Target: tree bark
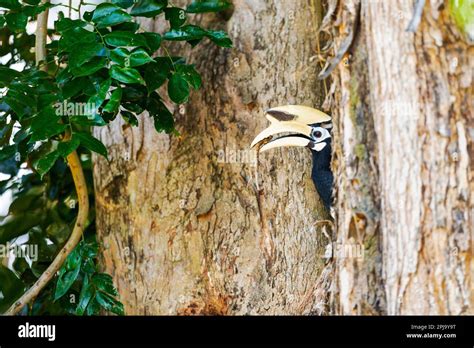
column 404, row 143
column 185, row 231
column 183, row 228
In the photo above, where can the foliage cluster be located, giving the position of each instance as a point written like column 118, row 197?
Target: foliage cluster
column 107, row 62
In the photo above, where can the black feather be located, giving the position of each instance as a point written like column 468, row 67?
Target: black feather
column 322, row 175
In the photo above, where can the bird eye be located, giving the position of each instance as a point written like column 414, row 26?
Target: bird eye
column 317, row 134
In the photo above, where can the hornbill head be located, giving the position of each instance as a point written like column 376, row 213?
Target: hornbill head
column 298, row 125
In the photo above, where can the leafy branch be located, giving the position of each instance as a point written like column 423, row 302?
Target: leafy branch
column 80, row 185
column 94, row 69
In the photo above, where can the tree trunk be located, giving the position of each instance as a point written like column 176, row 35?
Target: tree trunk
column 404, row 143
column 183, row 228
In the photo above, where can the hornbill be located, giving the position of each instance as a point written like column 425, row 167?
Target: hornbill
column 307, row 127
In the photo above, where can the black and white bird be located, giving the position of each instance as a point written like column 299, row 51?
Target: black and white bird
column 298, row 125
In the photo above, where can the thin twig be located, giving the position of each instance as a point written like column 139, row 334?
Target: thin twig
column 83, row 200
column 416, row 19
column 352, row 26
column 41, row 34
column 79, row 183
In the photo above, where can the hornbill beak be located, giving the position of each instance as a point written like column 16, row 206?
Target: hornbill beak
column 298, row 121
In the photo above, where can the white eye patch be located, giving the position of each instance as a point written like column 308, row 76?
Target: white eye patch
column 320, row 134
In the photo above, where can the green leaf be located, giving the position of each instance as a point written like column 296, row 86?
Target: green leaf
column 89, row 68
column 125, row 75
column 10, row 4
column 124, row 38
column 59, row 232
column 12, row 288
column 193, row 34
column 7, row 152
column 32, row 11
column 220, row 38
column 133, row 107
column 63, row 76
column 194, row 43
column 164, row 122
column 74, row 37
column 176, row 16
column 109, row 303
column 74, row 87
column 124, row 58
column 153, row 40
column 93, row 308
column 44, row 164
column 157, row 73
column 87, row 292
column 123, row 3
column 21, row 135
column 89, row 267
column 185, row 33
column 87, row 16
column 85, row 54
column 13, row 226
column 5, row 132
column 101, row 93
column 26, row 200
column 7, row 75
column 129, row 117
column 134, row 93
column 189, row 73
column 148, row 8
column 120, row 56
column 88, row 120
column 104, row 282
column 139, row 57
column 65, row 281
column 65, row 148
column 200, row 6
column 91, row 113
column 45, row 125
column 91, row 143
column 65, row 24
column 73, row 260
column 89, row 249
column 163, row 118
column 178, row 88
column 114, row 101
column 131, row 27
column 20, row 101
column 32, row 2
column 106, row 15
column 16, row 21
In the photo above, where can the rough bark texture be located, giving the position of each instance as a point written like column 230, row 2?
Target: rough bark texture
column 403, row 156
column 183, row 230
column 181, row 226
